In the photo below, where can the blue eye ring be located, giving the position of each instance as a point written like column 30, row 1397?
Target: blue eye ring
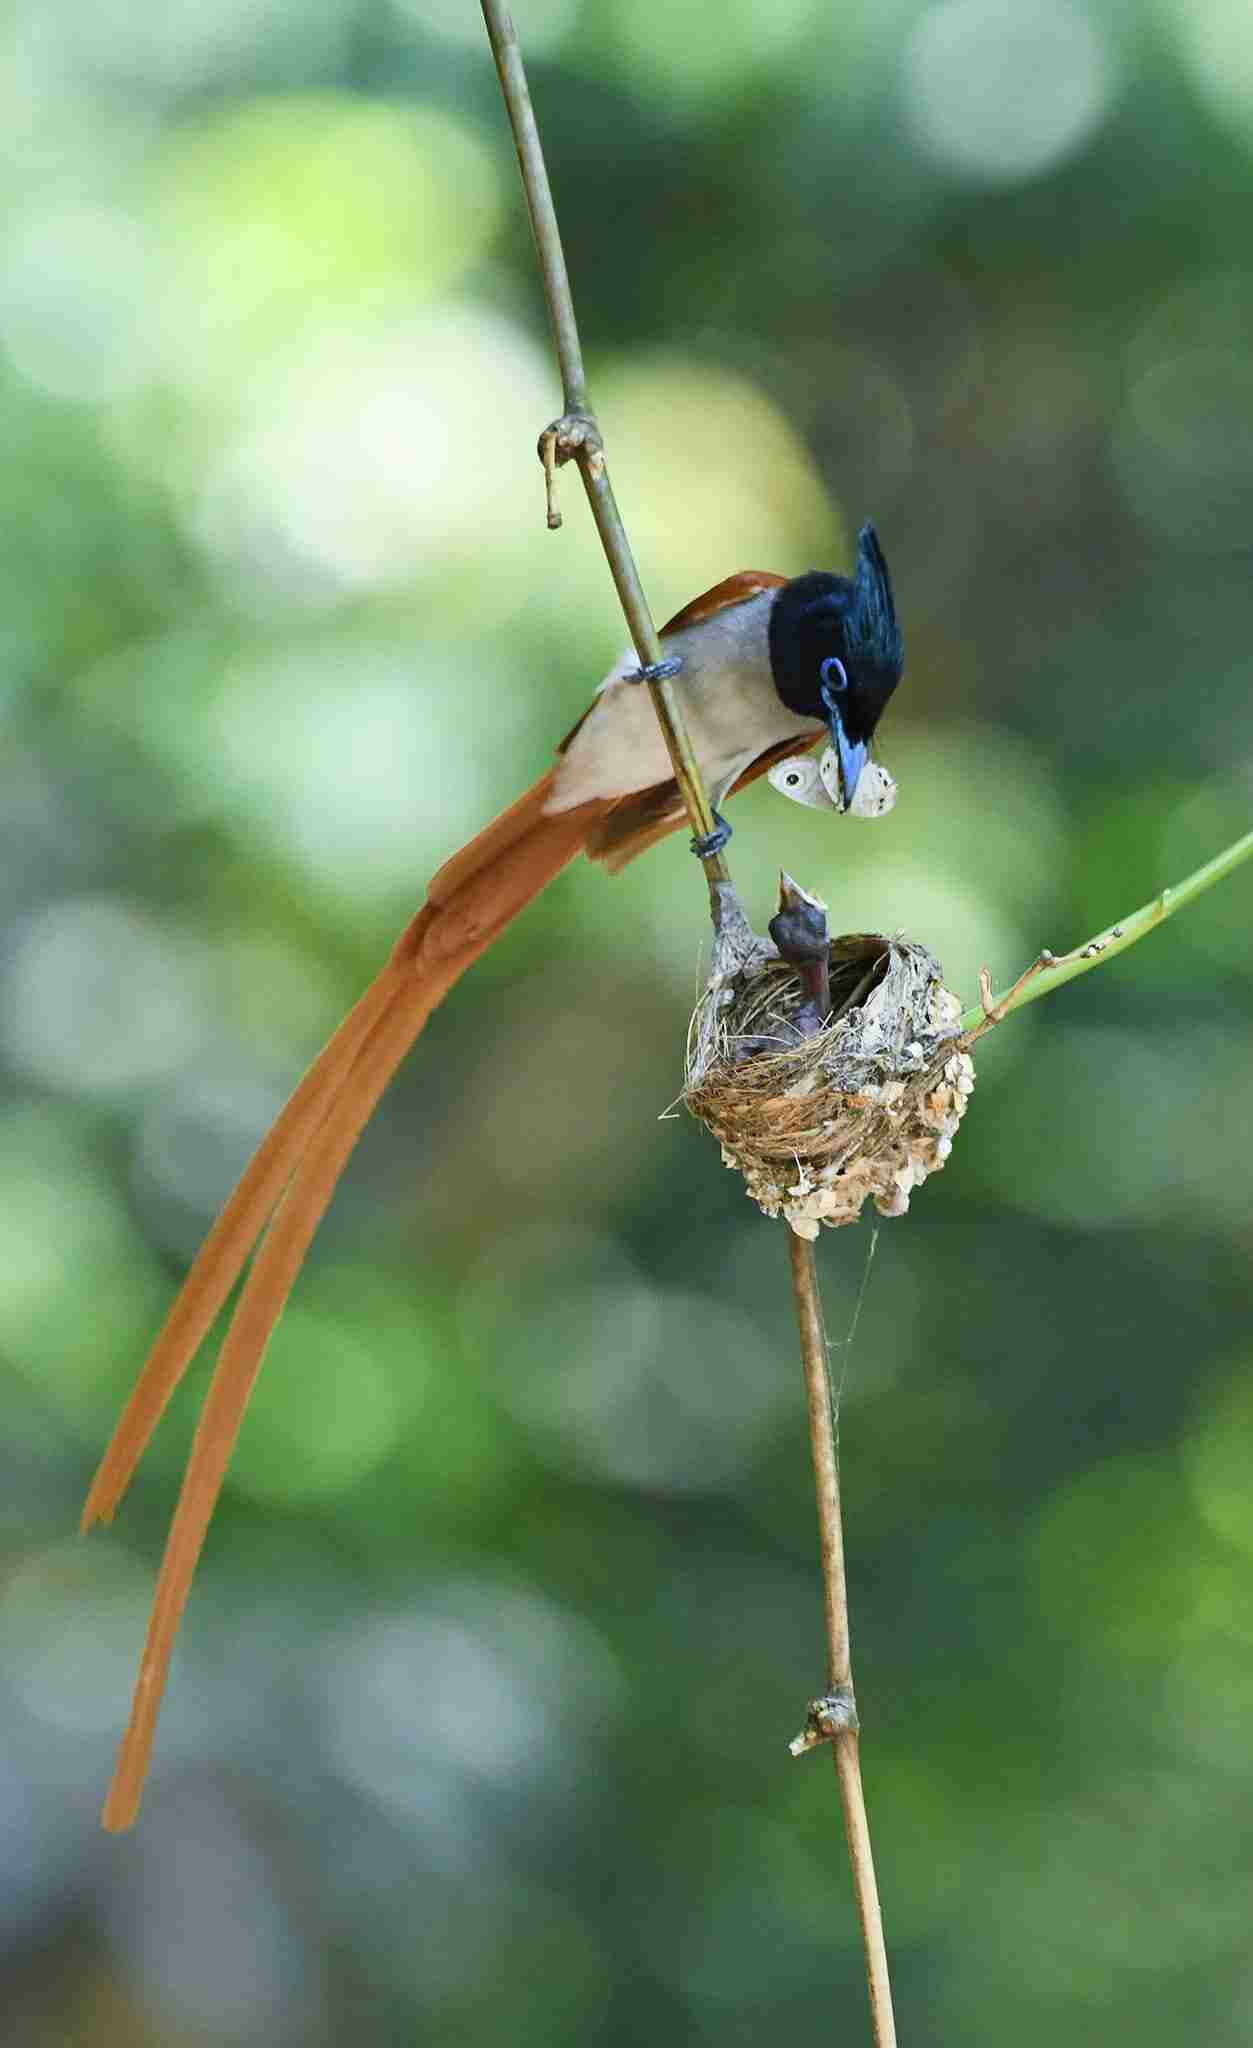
column 832, row 680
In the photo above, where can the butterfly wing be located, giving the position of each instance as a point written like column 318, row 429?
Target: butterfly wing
column 799, row 778
column 874, row 795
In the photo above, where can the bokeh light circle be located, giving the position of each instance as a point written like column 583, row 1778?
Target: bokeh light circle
column 1003, row 91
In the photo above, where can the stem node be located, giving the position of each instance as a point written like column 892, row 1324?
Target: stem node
column 834, row 1714
column 575, row 437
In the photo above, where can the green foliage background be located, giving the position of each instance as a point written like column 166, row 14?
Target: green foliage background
column 478, row 1728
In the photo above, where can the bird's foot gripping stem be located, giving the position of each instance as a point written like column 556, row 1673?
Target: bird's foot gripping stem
column 655, row 671
column 713, row 842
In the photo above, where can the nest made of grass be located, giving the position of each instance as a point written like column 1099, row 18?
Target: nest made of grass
column 865, row 1108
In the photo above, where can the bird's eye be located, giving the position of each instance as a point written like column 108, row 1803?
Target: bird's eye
column 792, row 781
column 833, row 673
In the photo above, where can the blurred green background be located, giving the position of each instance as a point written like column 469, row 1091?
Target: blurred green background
column 478, row 1726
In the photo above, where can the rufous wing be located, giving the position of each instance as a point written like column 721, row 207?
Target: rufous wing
column 732, row 590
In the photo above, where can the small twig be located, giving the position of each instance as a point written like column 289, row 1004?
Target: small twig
column 576, row 437
column 834, row 1717
column 547, row 446
column 1114, row 939
column 993, row 1011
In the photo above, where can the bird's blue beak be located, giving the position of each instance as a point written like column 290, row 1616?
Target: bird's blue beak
column 850, row 755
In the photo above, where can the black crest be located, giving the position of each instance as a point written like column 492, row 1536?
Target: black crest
column 873, row 634
column 817, row 616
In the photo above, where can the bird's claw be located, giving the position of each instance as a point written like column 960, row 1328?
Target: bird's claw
column 655, row 671
column 713, row 842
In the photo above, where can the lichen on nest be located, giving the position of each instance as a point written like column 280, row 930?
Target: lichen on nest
column 865, row 1107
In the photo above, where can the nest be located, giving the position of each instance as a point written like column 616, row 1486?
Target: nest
column 864, row 1108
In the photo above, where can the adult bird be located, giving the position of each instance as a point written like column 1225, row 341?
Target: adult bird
column 767, row 665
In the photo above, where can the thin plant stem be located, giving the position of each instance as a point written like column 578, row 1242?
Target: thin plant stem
column 1050, row 971
column 577, row 437
column 839, row 1721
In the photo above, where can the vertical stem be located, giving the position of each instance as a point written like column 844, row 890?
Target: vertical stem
column 844, row 1739
column 814, row 1355
column 539, row 198
column 588, row 448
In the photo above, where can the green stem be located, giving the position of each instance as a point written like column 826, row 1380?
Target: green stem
column 1050, row 973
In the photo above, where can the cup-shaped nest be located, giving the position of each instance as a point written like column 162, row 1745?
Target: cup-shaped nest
column 864, row 1107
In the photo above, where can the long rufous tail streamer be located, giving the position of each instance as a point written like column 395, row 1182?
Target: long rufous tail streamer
column 288, row 1185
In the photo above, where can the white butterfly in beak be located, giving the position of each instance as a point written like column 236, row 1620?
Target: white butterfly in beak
column 816, row 782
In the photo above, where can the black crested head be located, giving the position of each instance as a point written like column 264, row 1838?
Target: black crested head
column 836, row 638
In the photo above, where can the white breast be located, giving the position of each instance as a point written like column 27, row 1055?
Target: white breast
column 732, row 708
